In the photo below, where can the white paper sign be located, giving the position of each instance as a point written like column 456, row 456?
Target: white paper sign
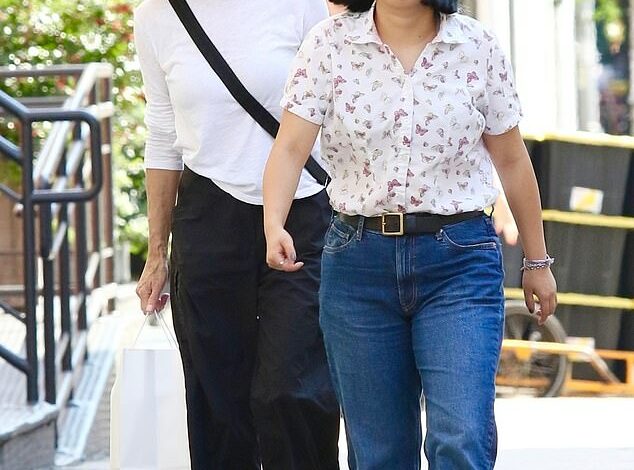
column 586, row 200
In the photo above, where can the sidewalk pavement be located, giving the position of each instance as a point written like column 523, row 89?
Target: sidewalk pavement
column 566, row 433
column 561, row 434
column 551, row 434
column 534, row 433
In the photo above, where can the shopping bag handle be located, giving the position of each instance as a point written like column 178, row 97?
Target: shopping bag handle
column 166, row 329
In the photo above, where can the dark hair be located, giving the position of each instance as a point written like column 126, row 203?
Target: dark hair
column 443, row 6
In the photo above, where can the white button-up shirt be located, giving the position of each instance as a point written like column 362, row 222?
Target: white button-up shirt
column 398, row 141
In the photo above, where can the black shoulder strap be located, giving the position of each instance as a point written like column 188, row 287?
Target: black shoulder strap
column 252, row 106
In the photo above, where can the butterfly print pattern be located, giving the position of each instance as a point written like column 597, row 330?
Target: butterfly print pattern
column 397, row 140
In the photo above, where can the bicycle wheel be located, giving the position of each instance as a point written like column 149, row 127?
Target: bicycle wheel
column 540, row 374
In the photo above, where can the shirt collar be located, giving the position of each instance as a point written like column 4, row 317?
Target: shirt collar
column 451, row 30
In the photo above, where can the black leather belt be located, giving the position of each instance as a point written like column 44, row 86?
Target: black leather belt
column 396, row 223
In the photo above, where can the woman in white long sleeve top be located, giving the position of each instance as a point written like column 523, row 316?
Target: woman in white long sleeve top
column 258, row 387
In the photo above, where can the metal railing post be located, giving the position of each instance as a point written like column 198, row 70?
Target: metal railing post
column 48, row 274
column 64, row 281
column 30, row 263
column 96, row 223
column 108, row 207
column 81, row 262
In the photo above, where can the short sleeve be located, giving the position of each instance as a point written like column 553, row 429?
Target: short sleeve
column 308, row 90
column 160, row 152
column 503, row 111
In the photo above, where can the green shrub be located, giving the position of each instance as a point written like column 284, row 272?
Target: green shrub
column 51, row 32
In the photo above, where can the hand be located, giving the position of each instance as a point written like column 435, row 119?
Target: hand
column 280, row 251
column 540, row 283
column 505, row 224
column 151, row 285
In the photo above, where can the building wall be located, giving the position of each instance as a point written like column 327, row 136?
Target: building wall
column 11, row 238
column 553, row 50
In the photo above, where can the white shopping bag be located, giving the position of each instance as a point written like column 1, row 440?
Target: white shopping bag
column 148, row 420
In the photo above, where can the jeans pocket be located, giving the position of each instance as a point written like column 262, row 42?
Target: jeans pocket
column 339, row 236
column 473, row 234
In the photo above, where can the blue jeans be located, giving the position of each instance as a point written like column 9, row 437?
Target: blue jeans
column 411, row 314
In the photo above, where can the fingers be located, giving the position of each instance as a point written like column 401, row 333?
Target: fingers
column 546, row 307
column 151, row 285
column 162, row 301
column 511, row 234
column 549, row 305
column 149, row 294
column 153, row 301
column 529, row 299
column 143, row 292
column 541, row 284
column 282, row 262
column 289, row 250
column 290, row 267
column 281, row 254
column 544, row 312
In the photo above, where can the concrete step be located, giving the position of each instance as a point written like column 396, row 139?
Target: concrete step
column 28, row 434
column 27, row 439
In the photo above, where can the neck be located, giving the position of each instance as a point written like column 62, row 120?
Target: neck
column 405, row 24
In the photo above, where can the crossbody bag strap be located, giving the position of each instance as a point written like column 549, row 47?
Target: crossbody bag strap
column 217, row 62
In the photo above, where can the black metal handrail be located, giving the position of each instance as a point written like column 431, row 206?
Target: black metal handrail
column 27, row 117
column 54, row 191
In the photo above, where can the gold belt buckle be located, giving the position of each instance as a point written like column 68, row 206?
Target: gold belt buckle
column 390, row 233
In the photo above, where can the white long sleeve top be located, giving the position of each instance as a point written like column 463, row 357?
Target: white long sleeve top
column 191, row 117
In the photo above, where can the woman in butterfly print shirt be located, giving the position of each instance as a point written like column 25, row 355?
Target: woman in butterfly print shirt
column 415, row 103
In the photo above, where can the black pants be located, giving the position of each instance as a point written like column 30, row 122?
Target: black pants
column 256, row 376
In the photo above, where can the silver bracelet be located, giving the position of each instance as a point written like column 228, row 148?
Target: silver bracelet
column 534, row 264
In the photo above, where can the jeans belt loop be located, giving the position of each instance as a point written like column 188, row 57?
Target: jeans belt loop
column 360, row 225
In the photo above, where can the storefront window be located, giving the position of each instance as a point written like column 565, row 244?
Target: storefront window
column 614, row 78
